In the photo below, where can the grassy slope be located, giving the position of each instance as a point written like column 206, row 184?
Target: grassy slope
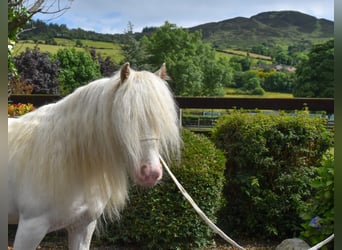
column 112, row 50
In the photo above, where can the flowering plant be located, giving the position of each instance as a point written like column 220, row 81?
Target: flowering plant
column 19, row 109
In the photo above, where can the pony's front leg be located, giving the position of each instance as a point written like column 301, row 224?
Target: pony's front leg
column 79, row 236
column 30, row 233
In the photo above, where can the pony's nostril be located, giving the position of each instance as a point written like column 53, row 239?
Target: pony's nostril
column 145, row 170
column 156, row 175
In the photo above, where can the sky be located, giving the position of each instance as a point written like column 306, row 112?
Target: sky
column 112, row 16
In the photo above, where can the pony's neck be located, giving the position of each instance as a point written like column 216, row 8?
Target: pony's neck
column 86, row 123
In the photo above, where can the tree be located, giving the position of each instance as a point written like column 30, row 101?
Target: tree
column 107, row 66
column 279, row 82
column 21, row 11
column 37, row 69
column 281, row 56
column 190, row 61
column 245, row 62
column 77, row 68
column 133, row 50
column 249, row 82
column 315, row 76
column 252, row 83
column 217, row 74
column 78, row 43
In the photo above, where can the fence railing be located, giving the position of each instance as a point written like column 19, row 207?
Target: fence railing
column 286, row 104
column 314, row 104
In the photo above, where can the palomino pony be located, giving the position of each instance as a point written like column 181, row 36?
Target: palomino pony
column 69, row 162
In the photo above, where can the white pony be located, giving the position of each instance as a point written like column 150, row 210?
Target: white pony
column 70, row 161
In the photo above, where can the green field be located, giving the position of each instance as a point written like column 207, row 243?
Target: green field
column 231, row 92
column 238, row 53
column 245, row 53
column 112, row 50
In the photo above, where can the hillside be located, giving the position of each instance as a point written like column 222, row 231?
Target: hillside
column 281, row 28
column 274, row 27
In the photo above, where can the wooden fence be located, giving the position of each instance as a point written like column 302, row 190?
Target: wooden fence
column 286, row 104
column 314, row 104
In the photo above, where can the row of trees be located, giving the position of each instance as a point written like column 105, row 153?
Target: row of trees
column 292, row 55
column 38, row 30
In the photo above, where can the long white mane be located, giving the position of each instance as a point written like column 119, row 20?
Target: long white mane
column 93, row 136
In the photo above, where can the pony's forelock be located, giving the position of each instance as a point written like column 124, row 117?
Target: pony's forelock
column 144, row 101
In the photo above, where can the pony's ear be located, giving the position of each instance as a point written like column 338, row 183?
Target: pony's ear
column 124, row 72
column 162, row 72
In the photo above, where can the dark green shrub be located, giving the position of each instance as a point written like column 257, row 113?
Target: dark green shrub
column 258, row 91
column 319, row 214
column 270, row 162
column 39, row 70
column 160, row 217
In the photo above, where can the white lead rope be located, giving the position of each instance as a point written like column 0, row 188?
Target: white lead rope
column 211, row 224
column 198, row 210
column 322, row 243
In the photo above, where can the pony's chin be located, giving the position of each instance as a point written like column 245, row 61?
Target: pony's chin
column 146, row 182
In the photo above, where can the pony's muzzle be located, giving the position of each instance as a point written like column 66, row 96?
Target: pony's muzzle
column 149, row 174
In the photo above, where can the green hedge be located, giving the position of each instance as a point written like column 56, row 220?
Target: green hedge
column 160, row 217
column 270, row 162
column 319, row 214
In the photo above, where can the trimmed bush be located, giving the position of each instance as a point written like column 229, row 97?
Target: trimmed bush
column 270, row 162
column 160, row 217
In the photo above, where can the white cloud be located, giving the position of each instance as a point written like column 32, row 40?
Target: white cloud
column 108, row 16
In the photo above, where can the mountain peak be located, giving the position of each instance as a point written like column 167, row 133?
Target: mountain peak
column 266, row 27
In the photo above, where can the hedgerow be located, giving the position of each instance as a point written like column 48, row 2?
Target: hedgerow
column 271, row 160
column 318, row 215
column 161, row 218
